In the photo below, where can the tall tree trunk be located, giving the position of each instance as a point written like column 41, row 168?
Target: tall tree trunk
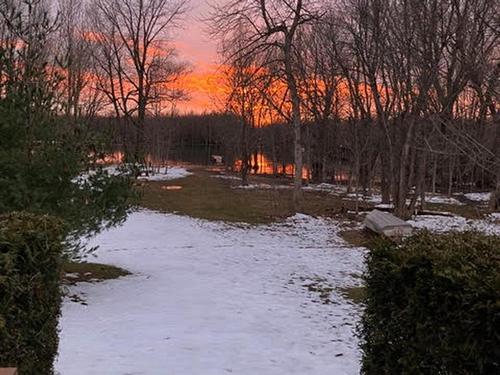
column 296, row 123
column 245, row 157
column 495, row 195
column 385, row 177
column 141, row 121
column 400, row 207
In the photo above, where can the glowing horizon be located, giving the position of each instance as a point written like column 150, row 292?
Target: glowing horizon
column 196, row 48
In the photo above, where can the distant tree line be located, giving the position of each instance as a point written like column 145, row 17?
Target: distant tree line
column 329, row 151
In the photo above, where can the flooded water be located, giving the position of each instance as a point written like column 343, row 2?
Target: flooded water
column 260, row 164
column 263, row 164
column 192, row 155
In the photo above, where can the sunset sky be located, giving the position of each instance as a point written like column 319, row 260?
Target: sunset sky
column 195, row 47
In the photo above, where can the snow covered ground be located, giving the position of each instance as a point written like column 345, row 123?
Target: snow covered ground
column 210, row 298
column 263, row 187
column 442, row 199
column 325, row 187
column 172, row 173
column 226, row 177
column 429, row 198
column 478, row 197
column 373, row 198
column 489, row 225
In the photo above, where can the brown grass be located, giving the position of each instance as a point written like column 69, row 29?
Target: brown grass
column 468, row 211
column 205, row 197
column 356, row 295
column 359, row 237
column 90, row 272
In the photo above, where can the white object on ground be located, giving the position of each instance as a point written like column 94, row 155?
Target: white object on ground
column 211, row 298
column 387, row 224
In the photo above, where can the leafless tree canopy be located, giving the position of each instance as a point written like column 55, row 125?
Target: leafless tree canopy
column 136, row 66
column 271, row 31
column 416, row 81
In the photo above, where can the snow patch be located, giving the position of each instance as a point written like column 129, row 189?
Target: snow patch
column 385, row 206
column 441, row 224
column 495, row 216
column 263, row 187
column 324, row 187
column 441, row 199
column 112, row 170
column 172, row 173
column 429, row 198
column 478, row 197
column 373, row 198
column 227, row 177
column 334, row 189
column 211, row 298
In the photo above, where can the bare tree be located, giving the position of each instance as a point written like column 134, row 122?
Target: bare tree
column 245, row 81
column 272, row 31
column 410, row 65
column 321, row 85
column 80, row 97
column 136, row 66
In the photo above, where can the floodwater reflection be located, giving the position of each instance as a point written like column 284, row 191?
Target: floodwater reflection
column 262, row 164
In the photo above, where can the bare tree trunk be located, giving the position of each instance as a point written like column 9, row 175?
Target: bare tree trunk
column 245, row 157
column 400, row 202
column 451, row 165
column 135, row 69
column 296, row 123
column 421, row 167
column 495, row 195
column 385, row 177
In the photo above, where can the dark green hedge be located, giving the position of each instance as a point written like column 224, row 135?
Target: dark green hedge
column 433, row 306
column 30, row 298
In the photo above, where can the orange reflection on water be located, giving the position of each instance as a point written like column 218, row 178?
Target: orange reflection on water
column 261, row 164
column 118, row 157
